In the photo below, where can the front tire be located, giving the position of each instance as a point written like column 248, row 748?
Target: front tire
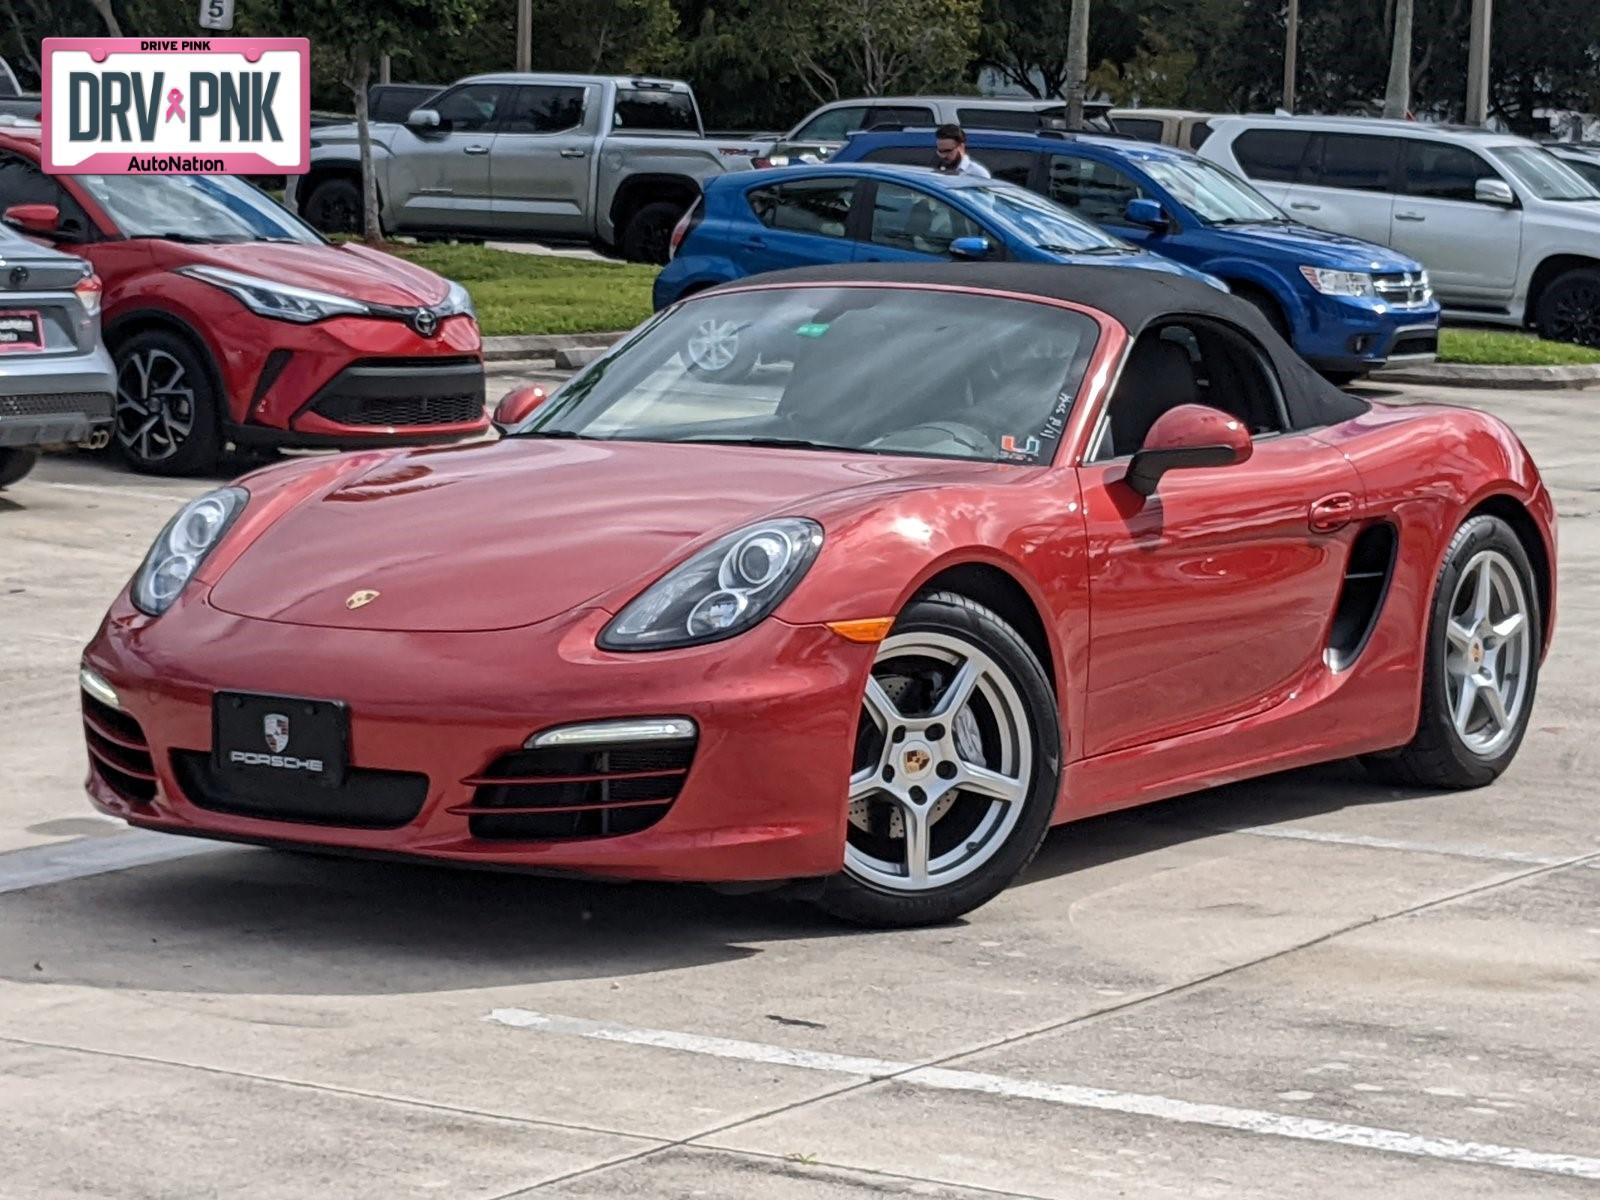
column 648, row 235
column 956, row 771
column 1569, row 309
column 1481, row 669
column 167, row 420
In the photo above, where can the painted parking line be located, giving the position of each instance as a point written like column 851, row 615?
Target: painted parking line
column 1160, row 1108
column 1483, row 853
column 59, row 862
column 116, row 493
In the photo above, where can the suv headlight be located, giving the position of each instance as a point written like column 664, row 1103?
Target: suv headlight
column 457, row 300
column 182, row 546
column 278, row 300
column 723, row 590
column 1339, row 283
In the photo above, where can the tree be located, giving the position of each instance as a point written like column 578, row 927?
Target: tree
column 1397, row 97
column 354, row 33
column 873, row 47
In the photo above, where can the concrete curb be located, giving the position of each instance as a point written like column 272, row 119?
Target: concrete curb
column 1466, row 375
column 543, row 345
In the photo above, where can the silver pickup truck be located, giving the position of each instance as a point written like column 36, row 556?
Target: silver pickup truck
column 606, row 159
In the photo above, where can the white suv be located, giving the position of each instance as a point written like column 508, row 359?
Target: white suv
column 1508, row 232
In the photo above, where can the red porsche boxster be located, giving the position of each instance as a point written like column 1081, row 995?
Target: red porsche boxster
column 852, row 579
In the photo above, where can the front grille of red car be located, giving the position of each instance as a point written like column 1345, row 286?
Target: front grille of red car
column 119, row 754
column 365, row 800
column 461, row 409
column 558, row 792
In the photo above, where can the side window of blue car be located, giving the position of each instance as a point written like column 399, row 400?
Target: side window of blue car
column 815, row 206
column 1096, row 191
column 905, row 219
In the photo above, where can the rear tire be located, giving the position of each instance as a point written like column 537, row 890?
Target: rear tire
column 1569, row 309
column 167, row 422
column 946, row 814
column 1484, row 634
column 334, row 206
column 16, row 463
column 648, row 235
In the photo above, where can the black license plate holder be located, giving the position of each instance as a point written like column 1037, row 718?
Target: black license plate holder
column 281, row 738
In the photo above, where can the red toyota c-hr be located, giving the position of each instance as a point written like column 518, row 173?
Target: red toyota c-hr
column 231, row 320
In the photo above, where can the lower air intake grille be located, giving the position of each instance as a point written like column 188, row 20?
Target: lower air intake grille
column 366, row 799
column 118, row 751
column 560, row 792
column 57, row 404
column 461, row 409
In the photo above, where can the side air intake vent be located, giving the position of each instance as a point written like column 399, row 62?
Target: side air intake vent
column 1366, row 581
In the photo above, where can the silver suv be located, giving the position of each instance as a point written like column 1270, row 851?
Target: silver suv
column 1508, row 232
column 56, row 379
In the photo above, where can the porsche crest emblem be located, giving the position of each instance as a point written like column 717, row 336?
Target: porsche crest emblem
column 917, row 760
column 360, row 599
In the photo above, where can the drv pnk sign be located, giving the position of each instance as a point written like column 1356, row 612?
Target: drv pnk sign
column 127, row 106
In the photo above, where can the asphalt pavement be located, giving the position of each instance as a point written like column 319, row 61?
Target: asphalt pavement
column 1306, row 985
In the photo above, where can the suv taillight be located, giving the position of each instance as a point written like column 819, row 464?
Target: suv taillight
column 88, row 291
column 688, row 221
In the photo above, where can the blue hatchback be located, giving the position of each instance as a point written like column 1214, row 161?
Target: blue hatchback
column 1346, row 305
column 754, row 221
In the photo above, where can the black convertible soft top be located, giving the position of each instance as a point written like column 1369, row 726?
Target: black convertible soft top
column 1136, row 299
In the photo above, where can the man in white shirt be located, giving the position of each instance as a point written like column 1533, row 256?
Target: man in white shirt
column 950, row 143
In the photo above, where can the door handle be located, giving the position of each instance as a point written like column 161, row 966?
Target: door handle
column 1304, row 207
column 475, row 150
column 573, row 152
column 1332, row 512
column 1409, row 217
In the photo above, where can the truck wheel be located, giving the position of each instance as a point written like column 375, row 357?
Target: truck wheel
column 14, row 464
column 334, row 206
column 1569, row 309
column 648, row 236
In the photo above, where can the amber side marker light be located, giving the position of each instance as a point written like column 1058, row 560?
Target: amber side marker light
column 868, row 629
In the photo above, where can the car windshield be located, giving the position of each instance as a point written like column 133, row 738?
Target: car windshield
column 876, row 370
column 1543, row 174
column 195, row 208
column 1043, row 222
column 1214, row 196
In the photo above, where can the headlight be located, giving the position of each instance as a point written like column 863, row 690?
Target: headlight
column 1339, row 283
column 457, row 300
column 725, row 589
column 278, row 300
column 182, row 546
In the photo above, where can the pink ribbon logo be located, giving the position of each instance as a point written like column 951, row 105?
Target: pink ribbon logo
column 175, row 105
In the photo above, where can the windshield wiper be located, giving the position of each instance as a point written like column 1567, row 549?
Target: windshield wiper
column 1251, row 221
column 770, row 443
column 556, row 433
column 193, row 239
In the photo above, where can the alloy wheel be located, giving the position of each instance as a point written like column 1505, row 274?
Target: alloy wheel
column 155, row 405
column 714, row 345
column 1488, row 653
column 943, row 764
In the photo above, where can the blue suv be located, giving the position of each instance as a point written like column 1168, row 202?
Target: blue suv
column 1346, row 305
column 753, row 221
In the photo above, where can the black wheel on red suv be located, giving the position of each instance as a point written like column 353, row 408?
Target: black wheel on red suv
column 166, row 421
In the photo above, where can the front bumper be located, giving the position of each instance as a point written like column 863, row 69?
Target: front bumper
column 1346, row 333
column 763, row 798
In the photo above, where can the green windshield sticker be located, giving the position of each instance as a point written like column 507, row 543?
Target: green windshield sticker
column 813, row 329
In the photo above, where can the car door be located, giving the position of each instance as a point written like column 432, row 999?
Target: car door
column 1212, row 599
column 907, row 224
column 539, row 163
column 1471, row 248
column 1346, row 184
column 441, row 176
column 804, row 222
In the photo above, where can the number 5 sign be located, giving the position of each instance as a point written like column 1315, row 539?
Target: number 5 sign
column 216, row 14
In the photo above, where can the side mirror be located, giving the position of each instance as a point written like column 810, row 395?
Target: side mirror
column 424, row 118
column 1190, row 435
column 1147, row 213
column 41, row 219
column 517, row 405
column 1494, row 191
column 970, row 247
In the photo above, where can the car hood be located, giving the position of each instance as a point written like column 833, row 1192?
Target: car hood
column 1141, row 260
column 1314, row 247
column 358, row 272
column 513, row 533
